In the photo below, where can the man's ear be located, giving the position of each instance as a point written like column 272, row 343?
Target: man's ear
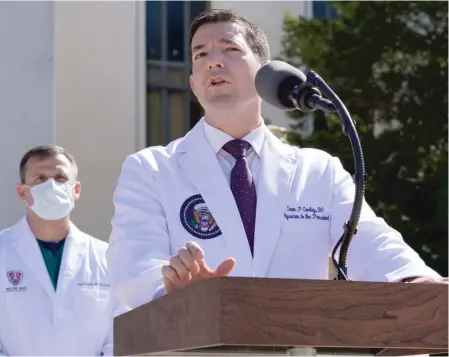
column 76, row 191
column 192, row 84
column 20, row 191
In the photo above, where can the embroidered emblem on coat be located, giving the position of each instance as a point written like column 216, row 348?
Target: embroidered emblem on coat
column 197, row 219
column 14, row 277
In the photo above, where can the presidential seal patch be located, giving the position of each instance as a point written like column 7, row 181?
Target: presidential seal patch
column 197, row 219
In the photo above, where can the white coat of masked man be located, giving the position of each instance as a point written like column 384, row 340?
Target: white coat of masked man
column 54, row 289
column 229, row 198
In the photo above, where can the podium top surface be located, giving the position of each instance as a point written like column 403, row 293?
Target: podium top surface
column 278, row 313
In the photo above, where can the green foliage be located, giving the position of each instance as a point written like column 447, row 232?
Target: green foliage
column 387, row 61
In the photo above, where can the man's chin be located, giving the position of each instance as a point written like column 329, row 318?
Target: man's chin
column 224, row 101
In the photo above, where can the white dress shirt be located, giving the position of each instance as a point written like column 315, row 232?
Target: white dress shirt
column 218, row 139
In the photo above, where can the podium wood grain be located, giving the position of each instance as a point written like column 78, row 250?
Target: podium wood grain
column 406, row 318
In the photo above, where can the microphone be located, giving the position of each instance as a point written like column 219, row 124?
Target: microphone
column 286, row 87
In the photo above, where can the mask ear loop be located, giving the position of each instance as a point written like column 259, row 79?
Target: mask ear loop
column 72, row 188
column 31, row 192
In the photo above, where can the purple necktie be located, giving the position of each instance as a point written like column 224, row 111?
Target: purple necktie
column 242, row 187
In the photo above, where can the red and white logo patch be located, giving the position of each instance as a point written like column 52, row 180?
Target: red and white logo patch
column 14, row 277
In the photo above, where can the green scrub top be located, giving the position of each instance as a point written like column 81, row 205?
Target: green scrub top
column 52, row 254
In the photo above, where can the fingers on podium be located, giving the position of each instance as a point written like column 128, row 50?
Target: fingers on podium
column 195, row 250
column 189, row 261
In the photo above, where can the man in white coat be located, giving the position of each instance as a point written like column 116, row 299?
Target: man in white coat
column 230, row 198
column 54, row 288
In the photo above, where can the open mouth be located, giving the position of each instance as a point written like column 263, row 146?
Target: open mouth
column 217, row 82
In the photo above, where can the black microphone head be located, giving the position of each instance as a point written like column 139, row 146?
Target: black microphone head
column 274, row 82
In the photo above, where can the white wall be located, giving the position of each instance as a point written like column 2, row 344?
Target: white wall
column 26, row 92
column 72, row 73
column 269, row 15
column 100, row 94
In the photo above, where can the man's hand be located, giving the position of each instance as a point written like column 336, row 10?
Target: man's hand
column 189, row 266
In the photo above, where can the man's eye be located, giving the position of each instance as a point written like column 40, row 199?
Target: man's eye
column 201, row 54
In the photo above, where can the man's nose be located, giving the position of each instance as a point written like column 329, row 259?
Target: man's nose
column 215, row 65
column 215, row 60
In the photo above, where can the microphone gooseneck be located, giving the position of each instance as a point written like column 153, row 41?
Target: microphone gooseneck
column 349, row 129
column 288, row 88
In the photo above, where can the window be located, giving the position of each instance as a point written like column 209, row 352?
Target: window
column 155, row 129
column 196, row 8
column 155, row 75
column 323, row 10
column 176, row 77
column 178, row 114
column 175, row 29
column 153, row 30
column 196, row 111
column 171, row 107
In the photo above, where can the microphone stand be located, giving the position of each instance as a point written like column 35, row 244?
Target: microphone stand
column 348, row 128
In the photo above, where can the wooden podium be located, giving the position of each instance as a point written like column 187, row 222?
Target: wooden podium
column 263, row 316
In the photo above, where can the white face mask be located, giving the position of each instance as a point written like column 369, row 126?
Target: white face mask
column 52, row 200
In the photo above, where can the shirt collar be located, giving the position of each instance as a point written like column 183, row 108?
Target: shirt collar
column 218, row 138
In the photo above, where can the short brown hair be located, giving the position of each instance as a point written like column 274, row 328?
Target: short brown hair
column 43, row 152
column 254, row 36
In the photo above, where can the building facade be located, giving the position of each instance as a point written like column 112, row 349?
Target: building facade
column 172, row 109
column 104, row 79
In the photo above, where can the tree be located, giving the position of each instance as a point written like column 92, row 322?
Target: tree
column 387, row 61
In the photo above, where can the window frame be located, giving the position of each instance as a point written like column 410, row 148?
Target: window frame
column 164, row 65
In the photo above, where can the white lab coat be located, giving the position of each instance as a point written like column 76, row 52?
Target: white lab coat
column 155, row 182
column 35, row 320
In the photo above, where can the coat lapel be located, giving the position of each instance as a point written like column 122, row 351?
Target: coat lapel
column 198, row 160
column 27, row 248
column 75, row 250
column 273, row 188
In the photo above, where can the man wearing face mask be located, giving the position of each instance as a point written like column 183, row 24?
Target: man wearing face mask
column 54, row 288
